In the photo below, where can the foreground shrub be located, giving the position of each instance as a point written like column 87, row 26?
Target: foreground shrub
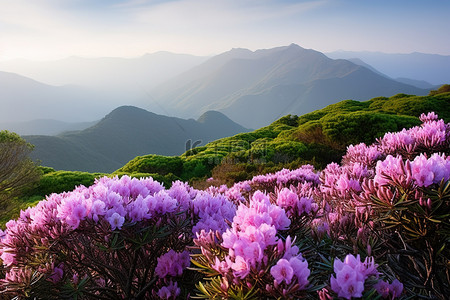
column 110, row 240
column 375, row 226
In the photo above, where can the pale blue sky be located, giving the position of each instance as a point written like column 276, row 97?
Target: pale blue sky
column 53, row 29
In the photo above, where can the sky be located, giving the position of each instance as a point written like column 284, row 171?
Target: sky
column 55, row 29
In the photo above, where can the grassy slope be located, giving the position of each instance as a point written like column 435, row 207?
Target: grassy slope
column 319, row 137
column 290, row 138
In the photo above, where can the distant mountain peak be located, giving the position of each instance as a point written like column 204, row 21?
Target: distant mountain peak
column 127, row 109
column 212, row 116
column 127, row 112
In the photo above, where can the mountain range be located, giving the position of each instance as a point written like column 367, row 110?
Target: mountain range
column 148, row 70
column 253, row 88
column 256, row 88
column 80, row 89
column 125, row 133
column 431, row 68
column 24, row 99
column 44, row 127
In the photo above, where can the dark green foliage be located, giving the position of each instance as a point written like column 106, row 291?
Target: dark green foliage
column 62, row 181
column 363, row 126
column 17, row 170
column 154, row 164
column 443, row 89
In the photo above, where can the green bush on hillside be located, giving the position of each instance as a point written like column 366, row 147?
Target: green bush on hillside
column 63, row 181
column 154, row 164
column 319, row 137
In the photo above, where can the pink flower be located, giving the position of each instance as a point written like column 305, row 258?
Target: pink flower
column 286, row 198
column 170, row 291
column 304, row 205
column 282, row 271
column 240, row 267
column 57, row 274
column 396, row 288
column 253, row 253
column 221, row 266
column 97, row 209
column 385, row 289
column 351, row 275
column 301, row 271
column 172, row 263
column 431, row 116
column 382, row 288
column 116, row 221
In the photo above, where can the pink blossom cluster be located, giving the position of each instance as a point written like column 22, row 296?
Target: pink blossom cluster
column 251, row 243
column 213, row 211
column 289, row 200
column 253, row 231
column 106, row 207
column 433, row 135
column 285, row 177
column 423, row 170
column 172, row 263
column 428, row 171
column 351, row 275
column 392, row 290
column 291, row 267
column 305, row 176
column 362, row 154
column 248, row 234
column 170, row 291
column 341, row 182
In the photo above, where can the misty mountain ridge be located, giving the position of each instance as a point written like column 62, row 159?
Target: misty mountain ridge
column 44, row 127
column 256, row 88
column 253, row 88
column 127, row 132
column 432, row 68
column 149, row 69
column 80, row 89
column 24, row 99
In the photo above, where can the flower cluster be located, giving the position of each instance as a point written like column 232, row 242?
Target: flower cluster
column 351, row 275
column 432, row 136
column 275, row 236
column 125, row 218
column 391, row 290
column 253, row 244
column 213, row 211
column 172, row 263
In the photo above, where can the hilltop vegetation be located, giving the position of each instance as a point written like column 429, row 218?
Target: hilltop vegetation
column 318, row 138
column 375, row 226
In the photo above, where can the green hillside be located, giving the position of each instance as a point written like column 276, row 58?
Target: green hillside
column 318, row 138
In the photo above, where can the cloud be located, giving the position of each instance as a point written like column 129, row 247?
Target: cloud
column 199, row 13
column 53, row 28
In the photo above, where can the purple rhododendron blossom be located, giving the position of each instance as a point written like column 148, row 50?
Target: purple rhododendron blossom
column 282, row 271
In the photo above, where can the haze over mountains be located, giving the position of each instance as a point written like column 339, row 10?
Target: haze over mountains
column 125, row 133
column 431, row 68
column 83, row 89
column 44, row 127
column 256, row 88
column 253, row 88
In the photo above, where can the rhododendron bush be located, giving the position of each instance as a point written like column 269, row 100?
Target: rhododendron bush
column 375, row 226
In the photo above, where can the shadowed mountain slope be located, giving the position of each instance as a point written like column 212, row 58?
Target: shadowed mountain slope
column 125, row 133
